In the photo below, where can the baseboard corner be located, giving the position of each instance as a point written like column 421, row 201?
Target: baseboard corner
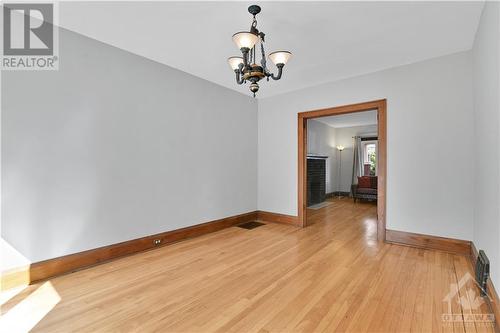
column 277, row 218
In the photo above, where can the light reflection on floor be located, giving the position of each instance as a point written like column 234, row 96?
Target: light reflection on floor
column 27, row 313
column 370, row 232
column 343, row 205
column 6, row 295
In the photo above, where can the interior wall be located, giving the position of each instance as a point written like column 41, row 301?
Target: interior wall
column 344, row 136
column 429, row 112
column 486, row 55
column 321, row 141
column 113, row 147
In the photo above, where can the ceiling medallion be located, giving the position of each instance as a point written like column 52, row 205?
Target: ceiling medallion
column 245, row 67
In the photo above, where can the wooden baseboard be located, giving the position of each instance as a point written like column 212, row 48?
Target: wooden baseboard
column 337, row 194
column 429, row 242
column 277, row 218
column 49, row 268
column 449, row 245
column 492, row 299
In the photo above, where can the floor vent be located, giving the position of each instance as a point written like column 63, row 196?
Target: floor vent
column 482, row 271
column 250, row 225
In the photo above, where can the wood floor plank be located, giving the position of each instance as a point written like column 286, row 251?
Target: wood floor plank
column 471, row 296
column 333, row 276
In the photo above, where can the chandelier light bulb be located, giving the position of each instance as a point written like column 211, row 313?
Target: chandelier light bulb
column 234, row 62
column 245, row 40
column 280, row 57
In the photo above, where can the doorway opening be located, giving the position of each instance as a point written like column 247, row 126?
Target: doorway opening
column 343, row 158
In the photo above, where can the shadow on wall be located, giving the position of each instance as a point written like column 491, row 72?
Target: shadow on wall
column 14, row 267
column 10, row 258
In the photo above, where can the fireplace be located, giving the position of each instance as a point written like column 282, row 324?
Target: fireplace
column 316, row 179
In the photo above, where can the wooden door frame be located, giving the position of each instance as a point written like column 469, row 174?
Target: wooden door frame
column 381, row 107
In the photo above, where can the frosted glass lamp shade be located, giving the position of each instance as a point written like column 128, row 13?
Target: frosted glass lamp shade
column 280, row 57
column 235, row 62
column 244, row 39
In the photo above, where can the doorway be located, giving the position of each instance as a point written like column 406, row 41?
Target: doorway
column 380, row 106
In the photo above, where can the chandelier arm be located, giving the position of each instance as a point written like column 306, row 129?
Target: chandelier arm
column 280, row 72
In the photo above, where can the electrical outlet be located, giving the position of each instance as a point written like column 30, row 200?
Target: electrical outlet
column 157, row 242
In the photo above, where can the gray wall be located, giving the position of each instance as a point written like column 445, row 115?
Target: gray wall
column 321, row 141
column 344, row 137
column 429, row 119
column 113, row 147
column 487, row 142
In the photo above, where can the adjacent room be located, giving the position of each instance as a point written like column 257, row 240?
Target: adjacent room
column 228, row 166
column 342, row 169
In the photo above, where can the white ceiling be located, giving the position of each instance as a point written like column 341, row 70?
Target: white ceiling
column 329, row 40
column 350, row 119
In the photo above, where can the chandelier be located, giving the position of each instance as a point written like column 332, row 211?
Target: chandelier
column 246, row 67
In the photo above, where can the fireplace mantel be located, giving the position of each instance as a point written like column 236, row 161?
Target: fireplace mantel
column 317, row 157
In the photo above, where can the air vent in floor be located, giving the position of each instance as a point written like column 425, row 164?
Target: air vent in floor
column 250, row 225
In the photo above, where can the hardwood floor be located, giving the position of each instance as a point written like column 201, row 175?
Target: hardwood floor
column 333, row 276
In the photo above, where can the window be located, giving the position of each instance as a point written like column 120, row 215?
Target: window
column 370, row 158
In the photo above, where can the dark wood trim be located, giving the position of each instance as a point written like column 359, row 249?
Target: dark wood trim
column 492, row 299
column 49, row 268
column 302, row 171
column 277, row 218
column 452, row 245
column 381, row 107
column 358, row 107
column 381, row 168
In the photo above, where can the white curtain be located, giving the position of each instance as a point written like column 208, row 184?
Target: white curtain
column 357, row 166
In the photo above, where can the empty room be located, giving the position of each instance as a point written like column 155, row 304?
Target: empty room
column 342, row 167
column 272, row 166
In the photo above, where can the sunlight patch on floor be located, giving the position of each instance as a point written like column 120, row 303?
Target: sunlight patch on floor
column 6, row 295
column 31, row 310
